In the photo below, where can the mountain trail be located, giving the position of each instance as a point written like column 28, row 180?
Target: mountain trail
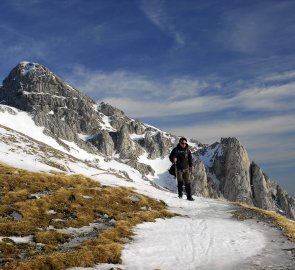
column 204, row 237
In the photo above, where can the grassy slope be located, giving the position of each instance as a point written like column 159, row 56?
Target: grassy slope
column 77, row 201
column 286, row 225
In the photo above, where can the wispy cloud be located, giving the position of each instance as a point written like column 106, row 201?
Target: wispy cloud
column 266, row 138
column 155, row 11
column 16, row 45
column 273, row 98
column 281, row 76
column 136, row 94
column 239, row 128
column 122, row 84
column 250, row 29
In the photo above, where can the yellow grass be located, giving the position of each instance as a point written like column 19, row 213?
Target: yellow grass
column 77, row 201
column 286, row 225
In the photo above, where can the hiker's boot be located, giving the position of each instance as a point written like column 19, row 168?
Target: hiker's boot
column 189, row 192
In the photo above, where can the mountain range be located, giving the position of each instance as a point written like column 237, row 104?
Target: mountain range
column 47, row 121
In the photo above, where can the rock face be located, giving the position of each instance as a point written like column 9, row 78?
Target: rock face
column 202, row 184
column 261, row 188
column 69, row 115
column 232, row 168
column 222, row 169
column 104, row 143
column 238, row 179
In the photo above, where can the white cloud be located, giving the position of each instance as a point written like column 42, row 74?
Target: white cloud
column 250, row 29
column 137, row 94
column 155, row 11
column 272, row 98
column 265, row 139
column 121, row 84
column 287, row 75
column 137, row 108
column 238, row 128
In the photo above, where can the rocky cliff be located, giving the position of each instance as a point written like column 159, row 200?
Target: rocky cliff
column 222, row 169
column 67, row 114
column 239, row 179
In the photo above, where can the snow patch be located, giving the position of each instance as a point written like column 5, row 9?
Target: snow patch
column 107, row 123
column 27, row 67
column 210, row 154
column 20, row 239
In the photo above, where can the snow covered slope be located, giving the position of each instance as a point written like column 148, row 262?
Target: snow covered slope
column 24, row 145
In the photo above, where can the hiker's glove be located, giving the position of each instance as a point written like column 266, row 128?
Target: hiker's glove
column 174, row 160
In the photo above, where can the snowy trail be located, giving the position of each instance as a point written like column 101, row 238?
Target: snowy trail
column 207, row 239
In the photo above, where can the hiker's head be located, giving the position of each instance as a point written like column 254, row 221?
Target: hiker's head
column 183, row 142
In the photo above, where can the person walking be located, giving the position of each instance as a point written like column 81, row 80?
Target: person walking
column 181, row 156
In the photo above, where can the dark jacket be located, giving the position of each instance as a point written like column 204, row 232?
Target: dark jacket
column 184, row 157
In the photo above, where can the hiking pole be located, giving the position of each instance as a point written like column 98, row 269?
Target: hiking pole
column 176, row 177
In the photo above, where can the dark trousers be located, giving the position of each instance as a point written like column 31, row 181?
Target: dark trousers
column 184, row 177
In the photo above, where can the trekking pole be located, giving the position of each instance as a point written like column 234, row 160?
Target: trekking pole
column 176, row 178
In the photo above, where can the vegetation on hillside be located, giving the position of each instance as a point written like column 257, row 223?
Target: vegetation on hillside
column 46, row 207
column 286, row 225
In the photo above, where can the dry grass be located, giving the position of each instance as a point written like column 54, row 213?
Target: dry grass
column 77, row 201
column 286, row 225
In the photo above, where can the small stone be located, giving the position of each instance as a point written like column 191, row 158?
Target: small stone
column 16, row 216
column 134, row 198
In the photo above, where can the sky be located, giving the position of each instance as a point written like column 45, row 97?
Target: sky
column 201, row 69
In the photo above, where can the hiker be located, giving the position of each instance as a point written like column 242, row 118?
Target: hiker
column 182, row 157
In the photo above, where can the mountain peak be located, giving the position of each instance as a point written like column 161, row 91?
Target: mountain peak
column 27, row 67
column 26, row 71
column 31, row 84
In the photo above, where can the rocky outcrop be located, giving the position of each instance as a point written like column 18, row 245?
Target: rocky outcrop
column 238, row 179
column 260, row 188
column 141, row 167
column 126, row 148
column 61, row 109
column 285, row 202
column 200, row 180
column 104, row 142
column 232, row 168
column 119, row 119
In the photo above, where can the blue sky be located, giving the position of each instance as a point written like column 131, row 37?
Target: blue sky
column 202, row 69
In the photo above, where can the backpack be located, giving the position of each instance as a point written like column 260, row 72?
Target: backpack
column 172, row 170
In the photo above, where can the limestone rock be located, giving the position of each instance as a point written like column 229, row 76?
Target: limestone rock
column 200, row 181
column 61, row 109
column 104, row 142
column 286, row 202
column 233, row 170
column 238, row 179
column 260, row 188
column 126, row 148
column 141, row 167
column 157, row 145
column 150, row 145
